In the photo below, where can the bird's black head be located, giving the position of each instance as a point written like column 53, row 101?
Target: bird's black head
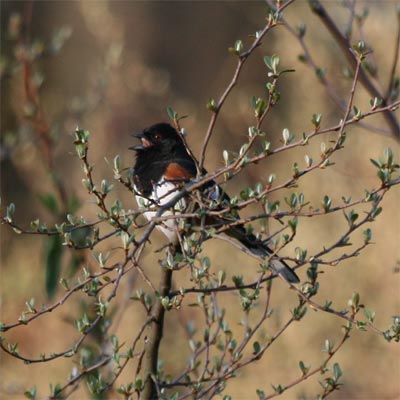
column 161, row 136
column 160, row 146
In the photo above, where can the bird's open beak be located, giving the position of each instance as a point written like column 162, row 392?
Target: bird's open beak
column 145, row 142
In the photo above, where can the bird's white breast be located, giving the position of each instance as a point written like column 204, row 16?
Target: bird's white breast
column 162, row 194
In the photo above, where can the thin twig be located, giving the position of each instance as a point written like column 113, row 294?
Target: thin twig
column 240, row 63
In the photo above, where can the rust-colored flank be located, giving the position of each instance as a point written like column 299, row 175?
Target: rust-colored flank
column 175, row 171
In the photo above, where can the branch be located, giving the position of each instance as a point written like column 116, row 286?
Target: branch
column 272, row 22
column 152, row 342
column 320, row 369
column 343, row 43
column 322, row 78
column 395, row 60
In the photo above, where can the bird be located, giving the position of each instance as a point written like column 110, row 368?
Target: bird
column 163, row 166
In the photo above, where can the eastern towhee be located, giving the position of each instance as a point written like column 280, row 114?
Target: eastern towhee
column 163, row 166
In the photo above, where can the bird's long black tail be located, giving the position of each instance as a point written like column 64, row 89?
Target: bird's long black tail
column 259, row 249
column 256, row 246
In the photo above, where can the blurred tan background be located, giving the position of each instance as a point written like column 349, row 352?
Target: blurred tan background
column 124, row 63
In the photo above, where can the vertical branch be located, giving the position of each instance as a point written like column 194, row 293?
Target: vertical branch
column 395, row 62
column 153, row 340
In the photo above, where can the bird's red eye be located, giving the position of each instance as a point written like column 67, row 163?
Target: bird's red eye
column 158, row 137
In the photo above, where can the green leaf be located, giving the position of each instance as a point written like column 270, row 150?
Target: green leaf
column 337, row 371
column 53, row 254
column 30, row 305
column 367, row 235
column 237, row 280
column 171, row 113
column 357, row 112
column 316, row 120
column 10, row 212
column 221, row 277
column 286, row 135
column 117, row 163
column 328, row 347
column 256, row 347
column 81, row 135
column 359, row 47
column 225, row 156
column 370, row 315
column 106, row 187
column 261, row 394
column 293, row 224
column 272, row 63
column 31, row 394
column 376, row 211
column 388, row 156
column 302, row 58
column 86, row 183
column 253, row 131
column 375, row 102
column 238, row 46
column 354, row 302
column 299, row 312
column 278, row 389
column 375, row 163
column 326, row 203
column 205, row 263
column 351, row 217
column 260, row 107
column 55, row 391
column 304, row 368
column 101, row 258
column 320, row 72
column 211, row 104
